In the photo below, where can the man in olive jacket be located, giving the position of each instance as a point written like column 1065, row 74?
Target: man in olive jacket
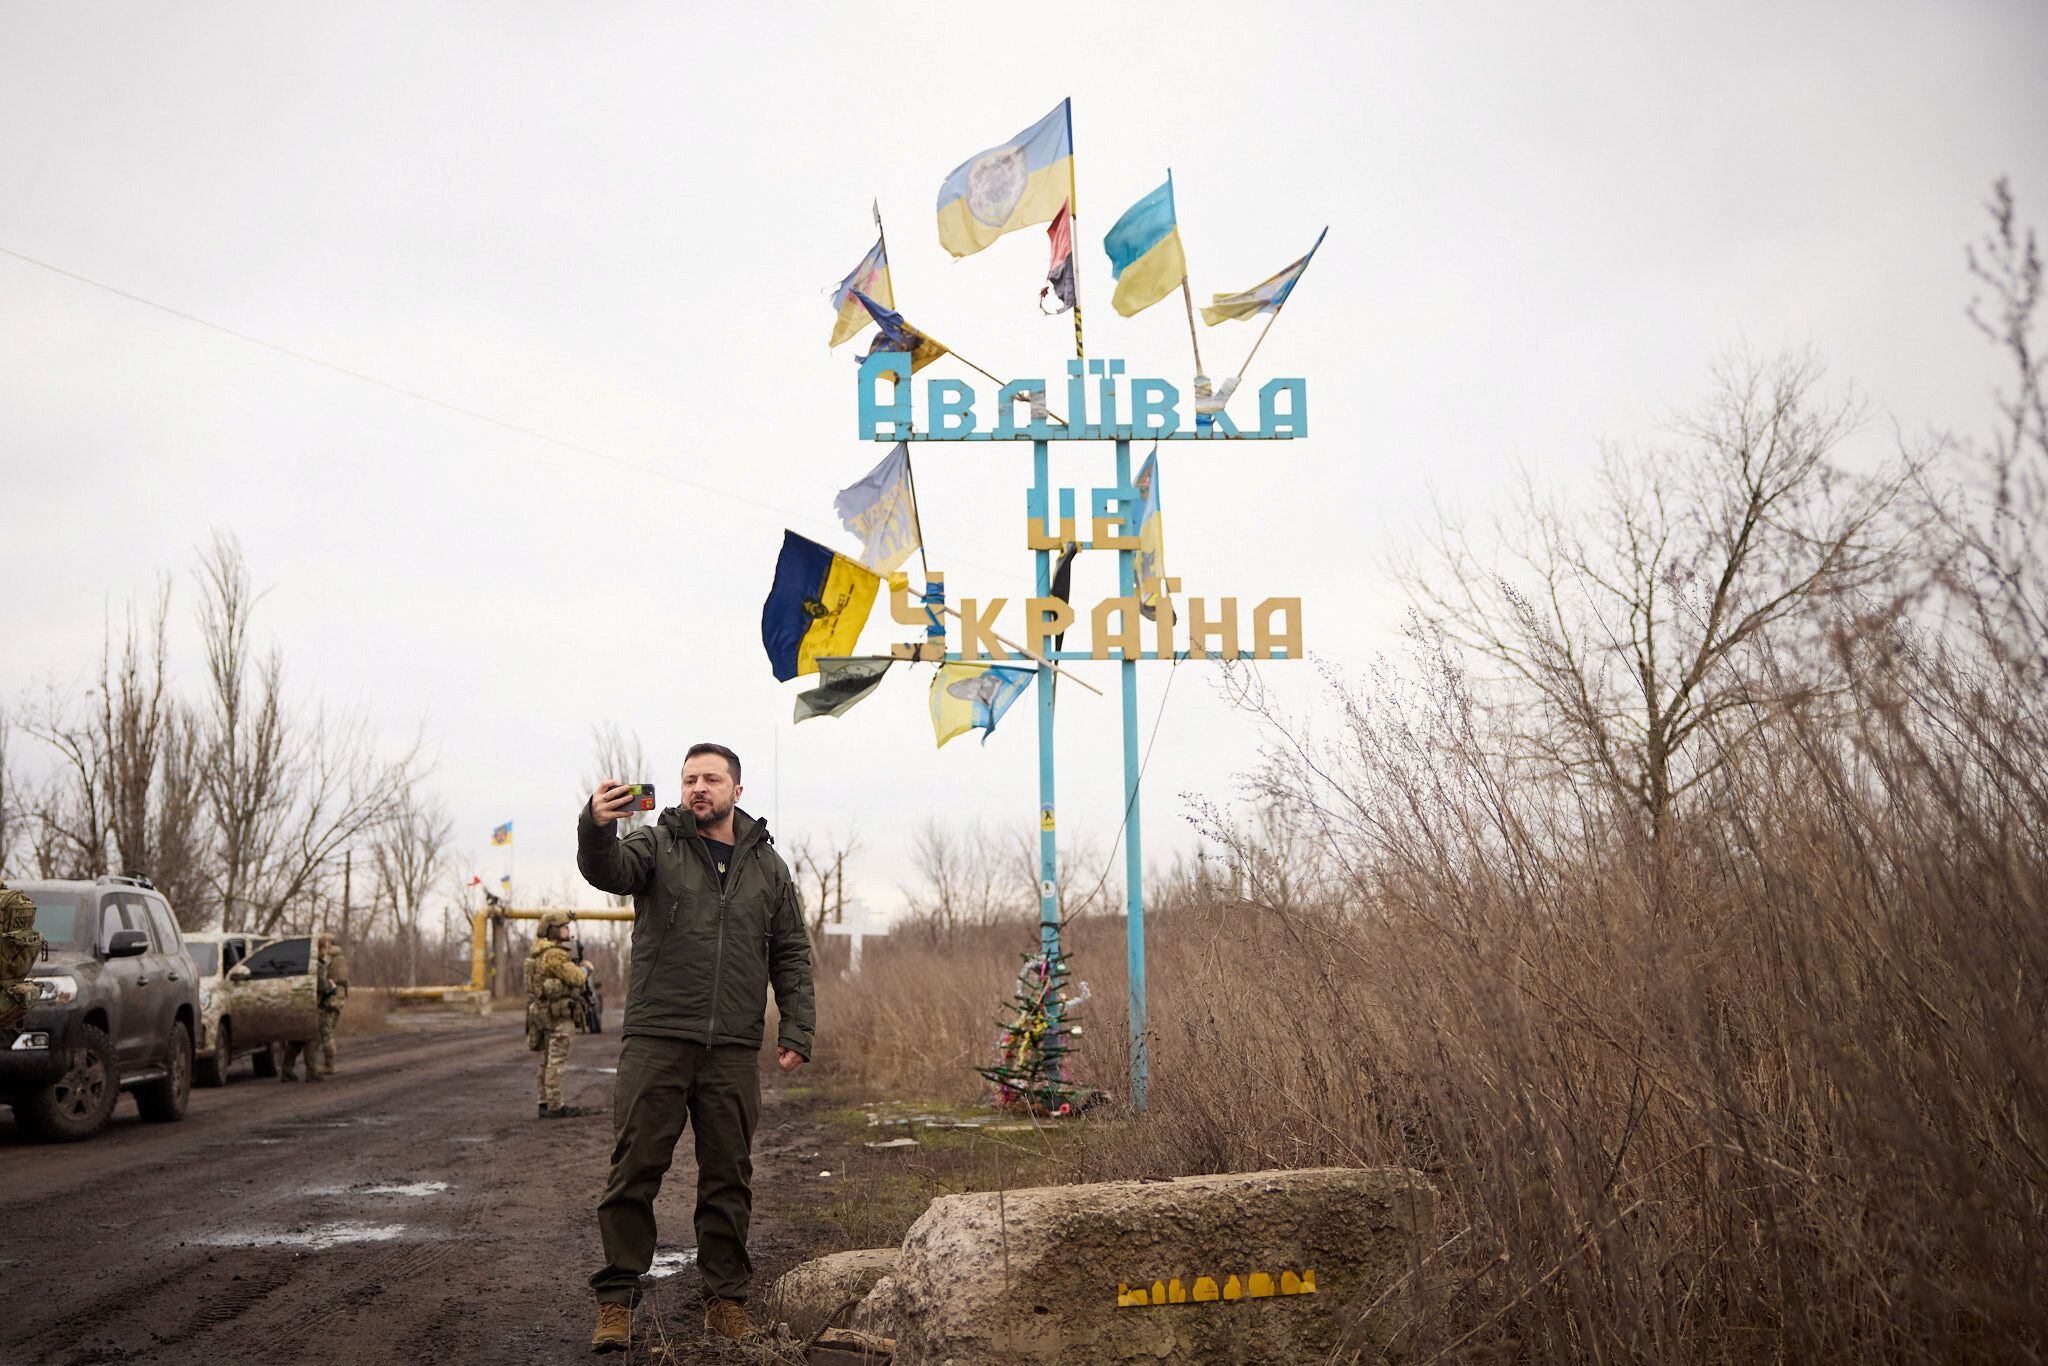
column 715, row 923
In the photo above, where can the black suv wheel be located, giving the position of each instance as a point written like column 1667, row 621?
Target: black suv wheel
column 164, row 1100
column 77, row 1104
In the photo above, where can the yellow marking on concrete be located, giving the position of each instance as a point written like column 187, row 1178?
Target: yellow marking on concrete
column 1254, row 1285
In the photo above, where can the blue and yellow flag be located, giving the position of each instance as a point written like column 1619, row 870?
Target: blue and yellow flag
column 870, row 277
column 1013, row 186
column 502, row 834
column 1144, row 252
column 1264, row 297
column 974, row 697
column 898, row 335
column 882, row 511
column 1150, row 561
column 817, row 606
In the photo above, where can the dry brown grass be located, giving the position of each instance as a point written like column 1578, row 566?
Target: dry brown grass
column 1774, row 1092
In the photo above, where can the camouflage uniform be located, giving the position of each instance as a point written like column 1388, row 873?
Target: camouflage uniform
column 20, row 947
column 332, row 996
column 553, row 982
column 294, row 1048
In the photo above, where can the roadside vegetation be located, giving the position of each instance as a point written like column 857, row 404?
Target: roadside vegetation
column 1676, row 905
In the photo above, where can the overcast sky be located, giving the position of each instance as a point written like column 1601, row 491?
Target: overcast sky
column 615, row 225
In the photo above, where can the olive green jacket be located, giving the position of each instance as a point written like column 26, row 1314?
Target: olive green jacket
column 705, row 956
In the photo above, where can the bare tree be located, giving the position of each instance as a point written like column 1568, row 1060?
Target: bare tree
column 179, row 833
column 286, row 795
column 247, row 746
column 965, row 879
column 821, row 878
column 619, row 756
column 12, row 812
column 409, row 851
column 1666, row 613
column 133, row 705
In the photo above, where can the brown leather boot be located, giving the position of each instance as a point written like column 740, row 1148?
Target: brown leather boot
column 614, row 1328
column 727, row 1318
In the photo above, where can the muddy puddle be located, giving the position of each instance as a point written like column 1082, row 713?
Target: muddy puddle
column 669, row 1263
column 314, row 1237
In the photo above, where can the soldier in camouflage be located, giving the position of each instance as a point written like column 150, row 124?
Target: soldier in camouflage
column 20, row 947
column 333, row 993
column 553, row 985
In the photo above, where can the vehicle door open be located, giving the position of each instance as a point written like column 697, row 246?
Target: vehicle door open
column 274, row 989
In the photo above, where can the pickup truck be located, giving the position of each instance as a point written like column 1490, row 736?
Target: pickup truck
column 120, row 1004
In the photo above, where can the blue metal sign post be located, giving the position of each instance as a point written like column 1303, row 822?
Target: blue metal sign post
column 1154, row 417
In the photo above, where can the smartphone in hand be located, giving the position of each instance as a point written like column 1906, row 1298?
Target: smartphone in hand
column 643, row 793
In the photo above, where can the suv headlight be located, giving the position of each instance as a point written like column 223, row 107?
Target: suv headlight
column 58, row 988
column 206, row 998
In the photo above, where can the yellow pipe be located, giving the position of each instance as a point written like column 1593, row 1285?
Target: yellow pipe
column 479, row 946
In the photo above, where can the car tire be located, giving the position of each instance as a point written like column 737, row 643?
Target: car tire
column 212, row 1070
column 164, row 1100
column 263, row 1062
column 78, row 1103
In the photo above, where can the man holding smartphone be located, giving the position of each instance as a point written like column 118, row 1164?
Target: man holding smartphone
column 715, row 924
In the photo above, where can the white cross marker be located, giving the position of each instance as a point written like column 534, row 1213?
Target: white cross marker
column 858, row 925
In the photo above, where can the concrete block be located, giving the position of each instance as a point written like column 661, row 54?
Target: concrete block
column 1257, row 1266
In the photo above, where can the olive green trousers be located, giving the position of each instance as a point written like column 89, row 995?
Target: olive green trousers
column 663, row 1085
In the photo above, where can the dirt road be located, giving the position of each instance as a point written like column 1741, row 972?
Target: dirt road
column 410, row 1210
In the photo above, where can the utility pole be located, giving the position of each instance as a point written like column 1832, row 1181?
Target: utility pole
column 347, row 867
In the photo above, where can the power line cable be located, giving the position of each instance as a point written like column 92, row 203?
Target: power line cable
column 415, row 394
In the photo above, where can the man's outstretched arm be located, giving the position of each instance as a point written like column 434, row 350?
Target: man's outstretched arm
column 622, row 867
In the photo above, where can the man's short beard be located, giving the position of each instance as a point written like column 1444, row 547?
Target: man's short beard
column 717, row 814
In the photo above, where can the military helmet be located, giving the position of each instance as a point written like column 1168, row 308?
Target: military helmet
column 550, row 919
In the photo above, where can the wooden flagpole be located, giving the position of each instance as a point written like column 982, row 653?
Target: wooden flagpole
column 1073, row 234
column 1244, row 369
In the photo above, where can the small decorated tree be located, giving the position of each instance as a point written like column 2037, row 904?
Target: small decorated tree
column 1030, row 1071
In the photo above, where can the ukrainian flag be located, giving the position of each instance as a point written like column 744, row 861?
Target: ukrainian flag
column 974, row 697
column 870, row 277
column 1144, row 252
column 1265, row 297
column 818, row 605
column 1016, row 185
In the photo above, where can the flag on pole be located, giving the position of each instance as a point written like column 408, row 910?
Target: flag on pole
column 1264, row 297
column 816, row 606
column 505, row 884
column 881, row 511
column 1059, row 277
column 1150, row 560
column 1022, row 182
column 898, row 335
column 841, row 683
column 502, row 834
column 974, row 697
column 1063, row 584
column 870, row 277
column 1145, row 256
